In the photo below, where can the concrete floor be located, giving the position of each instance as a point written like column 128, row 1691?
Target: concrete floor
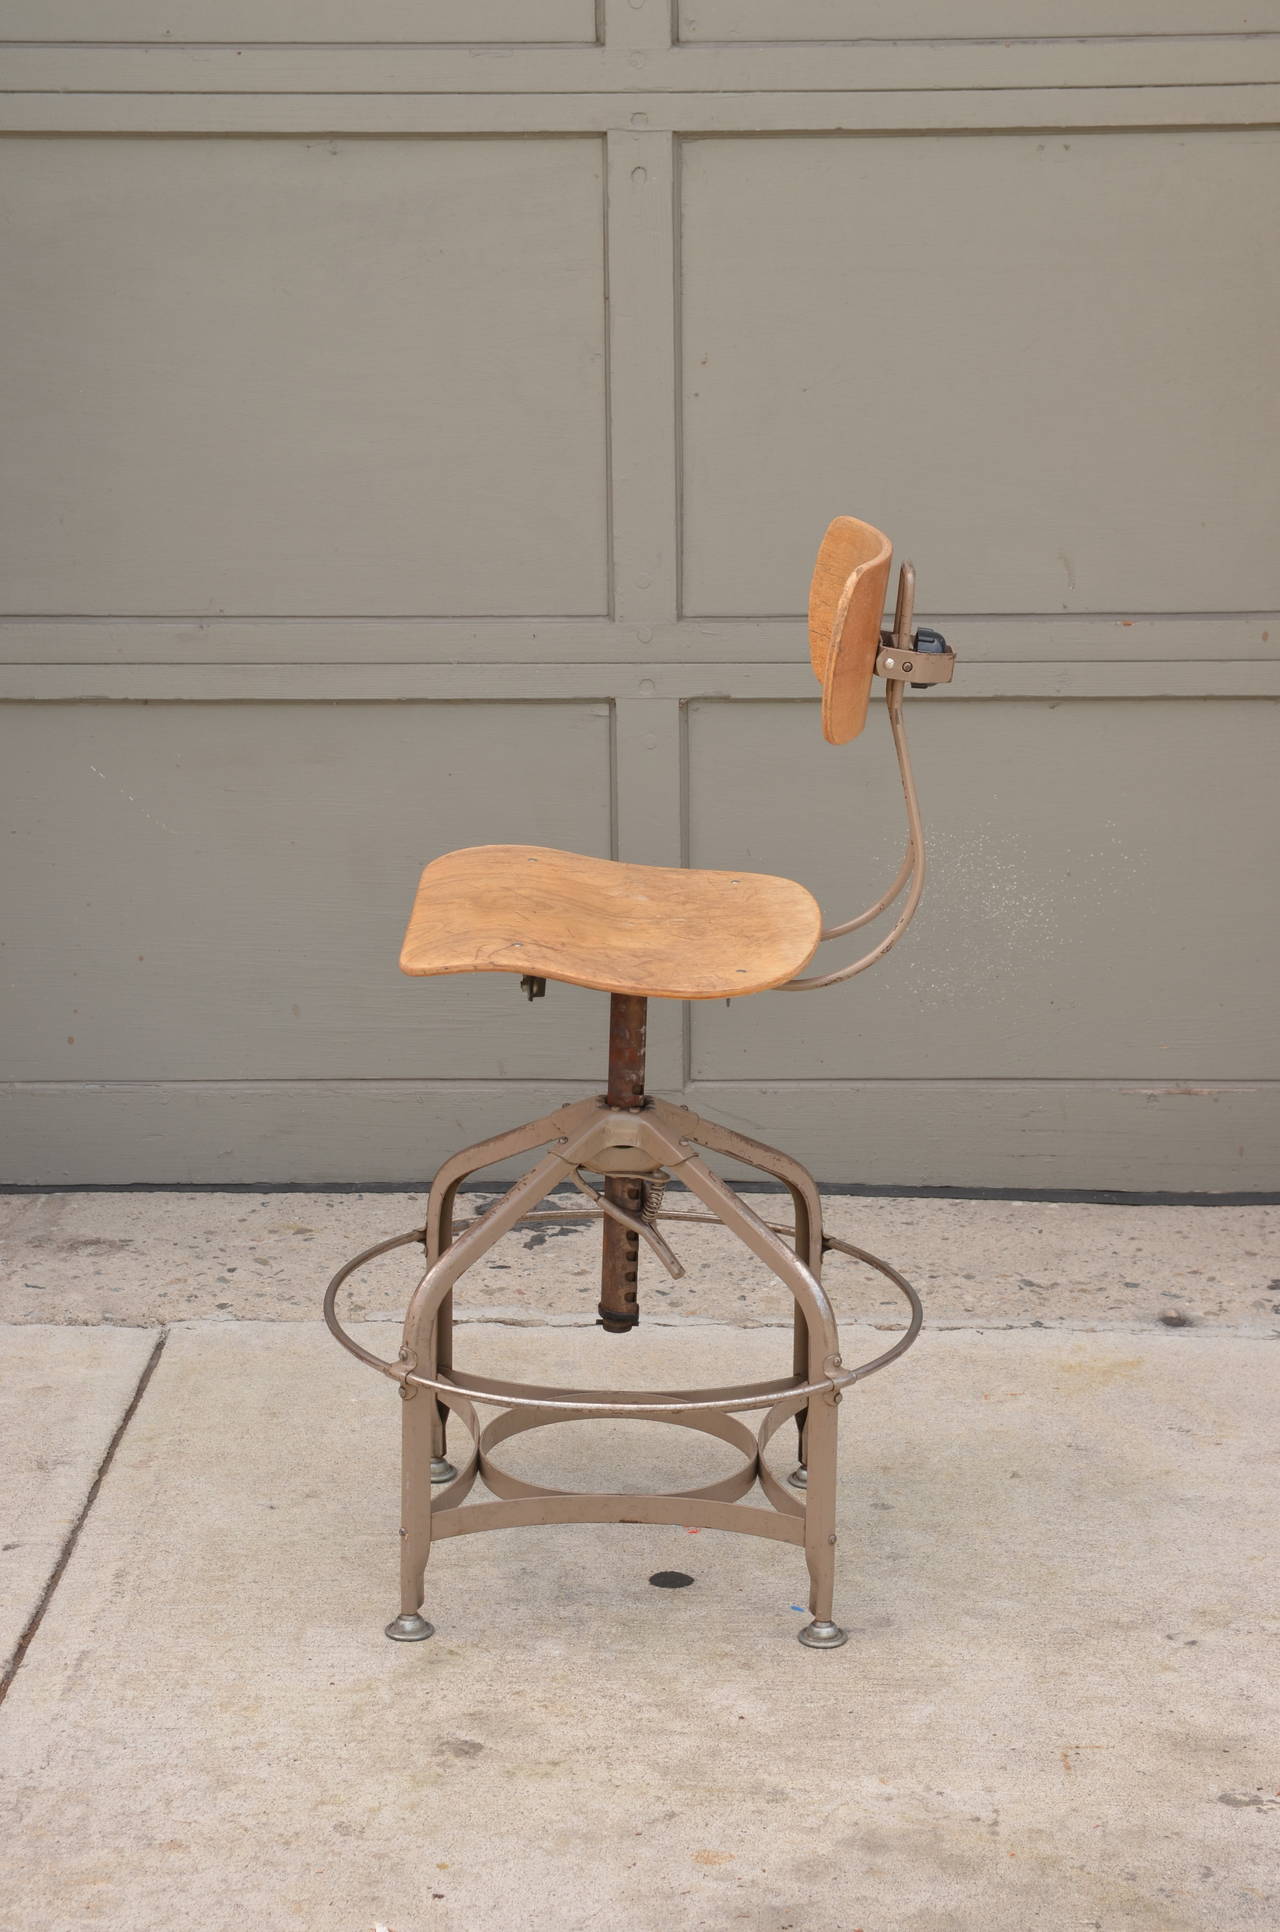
column 144, row 1260
column 1057, row 1708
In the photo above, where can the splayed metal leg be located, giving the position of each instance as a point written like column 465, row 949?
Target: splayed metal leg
column 807, row 1205
column 438, row 1233
column 820, row 1521
column 416, row 1425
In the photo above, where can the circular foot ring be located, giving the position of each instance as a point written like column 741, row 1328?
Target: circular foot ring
column 622, row 1402
column 823, row 1636
column 442, row 1470
column 799, row 1478
column 409, row 1628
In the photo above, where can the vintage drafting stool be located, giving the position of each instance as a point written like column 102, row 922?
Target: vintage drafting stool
column 639, row 933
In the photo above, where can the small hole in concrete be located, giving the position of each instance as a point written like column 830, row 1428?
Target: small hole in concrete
column 670, row 1580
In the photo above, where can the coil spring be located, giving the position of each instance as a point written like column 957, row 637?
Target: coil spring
column 653, row 1196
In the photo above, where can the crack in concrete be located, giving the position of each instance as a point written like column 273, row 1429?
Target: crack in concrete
column 73, row 1535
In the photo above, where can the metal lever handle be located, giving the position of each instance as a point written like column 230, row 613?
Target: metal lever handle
column 666, row 1255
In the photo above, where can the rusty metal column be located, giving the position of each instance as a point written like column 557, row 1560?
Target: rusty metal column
column 620, row 1262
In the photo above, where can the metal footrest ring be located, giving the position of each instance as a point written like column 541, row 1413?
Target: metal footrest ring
column 758, row 1395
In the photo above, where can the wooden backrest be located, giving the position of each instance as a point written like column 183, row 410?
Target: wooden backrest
column 846, row 603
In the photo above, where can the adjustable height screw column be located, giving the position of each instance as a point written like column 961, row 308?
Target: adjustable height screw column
column 620, row 1261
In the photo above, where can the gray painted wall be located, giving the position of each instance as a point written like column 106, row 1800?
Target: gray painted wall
column 425, row 442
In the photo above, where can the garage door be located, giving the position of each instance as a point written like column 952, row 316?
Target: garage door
column 422, row 439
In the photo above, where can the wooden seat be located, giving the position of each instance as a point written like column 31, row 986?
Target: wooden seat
column 654, row 931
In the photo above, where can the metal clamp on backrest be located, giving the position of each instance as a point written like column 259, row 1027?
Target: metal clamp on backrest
column 926, row 661
column 921, row 659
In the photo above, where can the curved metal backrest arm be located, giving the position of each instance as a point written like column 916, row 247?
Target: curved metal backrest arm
column 912, row 867
column 881, row 904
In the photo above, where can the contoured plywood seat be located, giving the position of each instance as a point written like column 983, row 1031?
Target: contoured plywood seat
column 658, row 932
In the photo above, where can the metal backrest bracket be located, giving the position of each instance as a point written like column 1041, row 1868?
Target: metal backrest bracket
column 920, row 665
column 919, row 658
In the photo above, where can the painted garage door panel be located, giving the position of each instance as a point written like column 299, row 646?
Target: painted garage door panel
column 375, row 495
column 330, row 21
column 297, row 377
column 833, row 20
column 1044, row 363
column 1098, row 904
column 220, row 890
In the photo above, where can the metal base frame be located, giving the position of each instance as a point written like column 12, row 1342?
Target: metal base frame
column 645, row 1145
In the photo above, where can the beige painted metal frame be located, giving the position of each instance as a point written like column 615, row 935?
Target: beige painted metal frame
column 662, row 1140
column 639, row 1144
